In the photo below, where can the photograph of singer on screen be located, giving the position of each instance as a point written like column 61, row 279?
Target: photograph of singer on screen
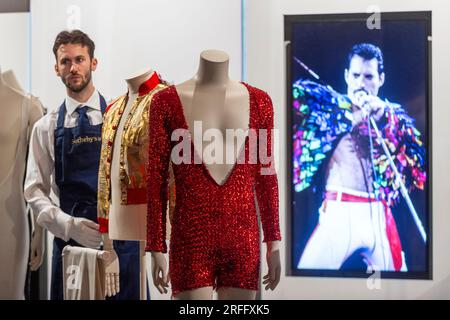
column 359, row 116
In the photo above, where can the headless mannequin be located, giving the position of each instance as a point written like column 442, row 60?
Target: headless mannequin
column 37, row 239
column 13, row 222
column 219, row 103
column 9, row 132
column 128, row 222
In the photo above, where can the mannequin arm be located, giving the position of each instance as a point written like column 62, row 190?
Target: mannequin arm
column 37, row 247
column 111, row 262
column 159, row 272
column 158, row 174
column 272, row 278
column 266, row 182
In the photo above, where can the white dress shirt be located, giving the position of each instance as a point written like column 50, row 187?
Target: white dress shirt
column 40, row 177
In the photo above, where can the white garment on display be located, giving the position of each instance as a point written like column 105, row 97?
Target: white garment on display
column 13, row 220
column 20, row 111
column 84, row 274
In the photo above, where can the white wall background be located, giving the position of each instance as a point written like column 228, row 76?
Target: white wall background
column 166, row 36
column 266, row 69
column 14, row 39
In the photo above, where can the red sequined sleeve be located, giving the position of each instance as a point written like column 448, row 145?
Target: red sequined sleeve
column 266, row 178
column 158, row 173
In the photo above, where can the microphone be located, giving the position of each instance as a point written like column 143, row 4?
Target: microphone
column 365, row 107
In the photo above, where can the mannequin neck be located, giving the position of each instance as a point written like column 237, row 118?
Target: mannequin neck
column 9, row 78
column 135, row 80
column 213, row 68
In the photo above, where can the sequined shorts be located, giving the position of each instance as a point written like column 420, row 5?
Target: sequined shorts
column 227, row 259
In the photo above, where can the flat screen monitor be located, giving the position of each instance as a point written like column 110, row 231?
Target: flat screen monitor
column 359, row 144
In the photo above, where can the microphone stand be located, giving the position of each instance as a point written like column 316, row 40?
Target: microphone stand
column 399, row 181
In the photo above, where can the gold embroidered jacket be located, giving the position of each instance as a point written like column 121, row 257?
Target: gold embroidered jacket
column 133, row 150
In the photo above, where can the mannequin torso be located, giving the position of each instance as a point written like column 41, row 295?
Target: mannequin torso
column 127, row 222
column 11, row 105
column 21, row 112
column 218, row 103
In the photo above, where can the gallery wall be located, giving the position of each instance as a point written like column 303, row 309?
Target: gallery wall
column 166, row 36
column 15, row 45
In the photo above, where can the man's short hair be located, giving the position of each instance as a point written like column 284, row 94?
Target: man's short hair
column 74, row 37
column 367, row 51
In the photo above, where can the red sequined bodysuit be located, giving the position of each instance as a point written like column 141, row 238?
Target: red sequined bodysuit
column 215, row 234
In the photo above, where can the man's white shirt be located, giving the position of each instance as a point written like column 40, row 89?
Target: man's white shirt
column 40, row 176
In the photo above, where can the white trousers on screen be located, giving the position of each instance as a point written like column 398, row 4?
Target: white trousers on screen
column 345, row 227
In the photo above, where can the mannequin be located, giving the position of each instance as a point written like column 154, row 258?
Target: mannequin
column 37, row 235
column 127, row 222
column 219, row 103
column 126, row 130
column 23, row 111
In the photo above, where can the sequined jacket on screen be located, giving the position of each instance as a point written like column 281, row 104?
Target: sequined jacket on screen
column 323, row 116
column 133, row 150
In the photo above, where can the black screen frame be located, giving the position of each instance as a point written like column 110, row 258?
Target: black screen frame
column 289, row 21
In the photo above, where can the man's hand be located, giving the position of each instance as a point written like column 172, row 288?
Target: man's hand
column 368, row 105
column 85, row 232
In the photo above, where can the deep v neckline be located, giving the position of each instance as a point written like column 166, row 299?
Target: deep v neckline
column 205, row 169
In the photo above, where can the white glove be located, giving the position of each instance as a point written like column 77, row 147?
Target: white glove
column 85, row 232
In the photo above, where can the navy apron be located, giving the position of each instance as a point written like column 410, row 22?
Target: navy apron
column 76, row 175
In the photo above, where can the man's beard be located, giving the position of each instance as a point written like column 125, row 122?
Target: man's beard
column 84, row 82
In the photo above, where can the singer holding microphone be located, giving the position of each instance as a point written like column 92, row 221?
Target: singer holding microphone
column 359, row 186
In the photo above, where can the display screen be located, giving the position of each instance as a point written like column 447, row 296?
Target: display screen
column 359, row 141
